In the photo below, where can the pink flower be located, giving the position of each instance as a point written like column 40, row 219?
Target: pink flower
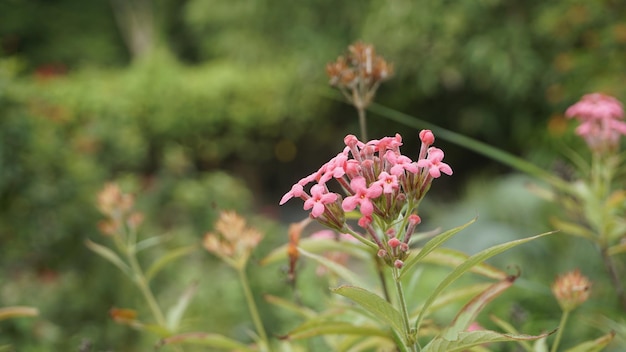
column 400, row 163
column 388, row 182
column 319, row 197
column 296, row 191
column 362, row 196
column 434, row 164
column 600, row 126
column 596, row 106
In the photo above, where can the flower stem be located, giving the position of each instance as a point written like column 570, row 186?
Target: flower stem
column 615, row 278
column 362, row 122
column 559, row 333
column 142, row 284
column 254, row 312
column 405, row 312
column 381, row 275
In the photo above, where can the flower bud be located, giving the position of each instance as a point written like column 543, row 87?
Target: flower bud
column 571, row 290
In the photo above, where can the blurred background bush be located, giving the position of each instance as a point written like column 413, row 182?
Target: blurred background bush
column 201, row 105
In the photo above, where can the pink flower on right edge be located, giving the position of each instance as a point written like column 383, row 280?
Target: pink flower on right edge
column 600, row 124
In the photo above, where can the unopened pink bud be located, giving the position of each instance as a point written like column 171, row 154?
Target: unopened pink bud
column 414, row 219
column 398, row 264
column 365, row 221
column 404, row 247
column 394, row 242
column 391, row 232
column 427, row 137
column 381, row 253
column 351, row 140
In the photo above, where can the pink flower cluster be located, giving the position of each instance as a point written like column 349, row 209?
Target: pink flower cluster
column 600, row 124
column 377, row 180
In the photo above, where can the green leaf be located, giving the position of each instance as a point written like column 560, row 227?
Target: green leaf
column 469, row 313
column 617, row 249
column 149, row 242
column 512, row 330
column 333, row 266
column 595, row 345
column 444, row 300
column 175, row 314
column 468, row 339
column 573, row 229
column 291, row 306
column 205, row 339
column 541, row 345
column 466, row 266
column 432, row 245
column 472, row 144
column 160, row 263
column 326, row 327
column 453, row 258
column 109, row 255
column 374, row 304
column 17, row 311
column 318, row 246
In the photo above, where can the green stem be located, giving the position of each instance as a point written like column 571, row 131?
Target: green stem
column 615, row 278
column 362, row 123
column 142, row 284
column 381, row 275
column 405, row 312
column 559, row 333
column 254, row 312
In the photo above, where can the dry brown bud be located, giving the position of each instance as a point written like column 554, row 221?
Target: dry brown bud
column 571, row 290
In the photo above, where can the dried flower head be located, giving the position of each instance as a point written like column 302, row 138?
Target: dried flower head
column 232, row 240
column 118, row 208
column 571, row 290
column 359, row 73
column 111, row 200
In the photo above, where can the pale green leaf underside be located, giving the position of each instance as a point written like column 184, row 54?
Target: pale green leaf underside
column 469, row 339
column 467, row 265
column 595, row 345
column 374, row 304
column 433, row 244
column 206, row 339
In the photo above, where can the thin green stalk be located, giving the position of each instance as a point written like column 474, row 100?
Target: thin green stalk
column 362, row 123
column 381, row 276
column 615, row 278
column 254, row 312
column 405, row 311
column 557, row 339
column 142, row 283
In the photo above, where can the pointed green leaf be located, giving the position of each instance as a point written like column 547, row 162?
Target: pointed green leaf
column 473, row 144
column 466, row 266
column 333, row 266
column 512, row 330
column 469, row 313
column 374, row 304
column 175, row 314
column 206, row 339
column 291, row 306
column 17, row 311
column 149, row 242
column 541, row 345
column 573, row 229
column 431, row 245
column 160, row 263
column 444, row 300
column 453, row 258
column 617, row 249
column 594, row 346
column 318, row 246
column 325, row 327
column 109, row 255
column 468, row 339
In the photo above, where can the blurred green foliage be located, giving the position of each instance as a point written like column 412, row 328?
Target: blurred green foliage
column 222, row 88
